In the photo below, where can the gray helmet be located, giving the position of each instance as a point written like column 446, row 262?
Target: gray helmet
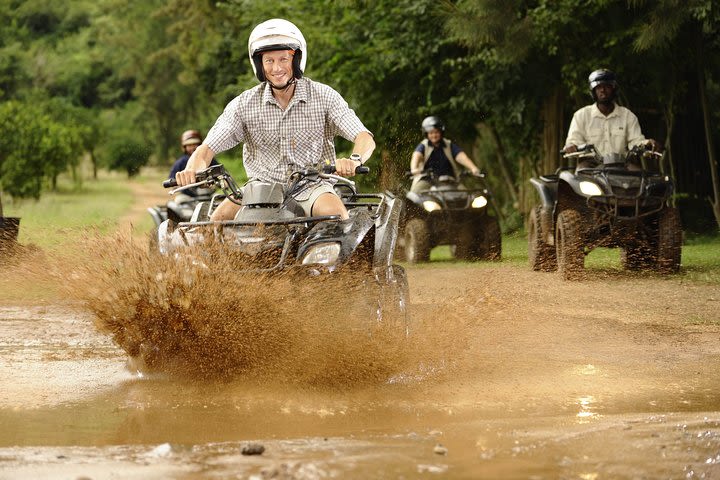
column 431, row 123
column 600, row 77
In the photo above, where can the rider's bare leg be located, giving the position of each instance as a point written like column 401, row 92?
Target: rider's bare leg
column 329, row 204
column 225, row 211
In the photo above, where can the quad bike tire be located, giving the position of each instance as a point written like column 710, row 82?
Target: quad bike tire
column 669, row 241
column 637, row 257
column 569, row 244
column 491, row 246
column 417, row 241
column 541, row 255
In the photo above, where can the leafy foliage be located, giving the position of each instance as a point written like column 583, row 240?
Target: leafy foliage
column 505, row 75
column 39, row 147
column 128, row 156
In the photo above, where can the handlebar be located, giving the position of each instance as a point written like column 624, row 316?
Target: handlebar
column 170, row 182
column 329, row 168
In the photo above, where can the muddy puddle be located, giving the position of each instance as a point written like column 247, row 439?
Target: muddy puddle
column 508, row 379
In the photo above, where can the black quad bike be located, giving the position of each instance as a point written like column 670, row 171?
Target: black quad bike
column 181, row 208
column 272, row 234
column 452, row 213
column 605, row 201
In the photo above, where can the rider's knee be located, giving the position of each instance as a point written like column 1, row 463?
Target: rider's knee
column 329, row 204
column 225, row 211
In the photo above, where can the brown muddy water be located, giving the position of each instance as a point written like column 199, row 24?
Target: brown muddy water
column 507, row 374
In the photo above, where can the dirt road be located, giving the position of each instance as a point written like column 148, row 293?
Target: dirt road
column 510, row 374
column 605, row 378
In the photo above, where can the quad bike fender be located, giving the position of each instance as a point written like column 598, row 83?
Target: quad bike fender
column 349, row 233
column 164, row 236
column 157, row 214
column 386, row 231
column 413, row 206
column 569, row 195
column 568, row 179
column 547, row 196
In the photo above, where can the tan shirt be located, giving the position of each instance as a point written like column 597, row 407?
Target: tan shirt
column 616, row 133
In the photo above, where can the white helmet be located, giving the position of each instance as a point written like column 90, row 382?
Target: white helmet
column 277, row 34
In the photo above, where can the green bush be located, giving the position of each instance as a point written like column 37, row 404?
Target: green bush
column 127, row 155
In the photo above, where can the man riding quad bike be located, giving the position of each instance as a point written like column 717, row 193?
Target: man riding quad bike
column 446, row 206
column 609, row 200
column 272, row 234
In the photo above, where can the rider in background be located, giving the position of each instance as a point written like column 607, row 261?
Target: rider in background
column 189, row 141
column 436, row 155
column 611, row 128
column 286, row 123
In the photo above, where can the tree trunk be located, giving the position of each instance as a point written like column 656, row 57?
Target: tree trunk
column 553, row 130
column 502, row 162
column 708, row 133
column 93, row 160
column 668, row 167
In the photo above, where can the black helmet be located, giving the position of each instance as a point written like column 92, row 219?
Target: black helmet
column 602, row 76
column 431, row 123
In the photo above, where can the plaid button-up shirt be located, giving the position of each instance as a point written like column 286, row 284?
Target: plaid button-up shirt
column 277, row 142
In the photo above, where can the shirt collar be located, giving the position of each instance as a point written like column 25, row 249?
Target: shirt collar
column 300, row 95
column 597, row 113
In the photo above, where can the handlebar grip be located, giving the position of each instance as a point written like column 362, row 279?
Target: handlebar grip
column 362, row 169
column 170, row 182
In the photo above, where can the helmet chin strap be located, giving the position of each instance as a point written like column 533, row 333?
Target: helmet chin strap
column 289, row 84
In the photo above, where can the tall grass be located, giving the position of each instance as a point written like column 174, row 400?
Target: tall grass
column 63, row 216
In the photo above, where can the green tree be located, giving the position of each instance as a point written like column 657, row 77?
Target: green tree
column 37, row 149
column 128, row 156
column 686, row 37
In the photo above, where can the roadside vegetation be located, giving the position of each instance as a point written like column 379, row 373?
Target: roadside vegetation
column 116, row 82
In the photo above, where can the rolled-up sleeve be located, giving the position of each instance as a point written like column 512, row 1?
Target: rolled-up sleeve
column 343, row 118
column 228, row 129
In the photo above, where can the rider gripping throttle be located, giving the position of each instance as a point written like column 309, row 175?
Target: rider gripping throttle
column 286, row 123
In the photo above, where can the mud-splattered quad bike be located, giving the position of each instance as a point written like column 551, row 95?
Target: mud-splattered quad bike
column 450, row 213
column 272, row 234
column 181, row 208
column 605, row 205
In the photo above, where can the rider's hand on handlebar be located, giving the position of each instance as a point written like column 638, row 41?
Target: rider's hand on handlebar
column 185, row 177
column 652, row 145
column 416, row 171
column 346, row 167
column 570, row 148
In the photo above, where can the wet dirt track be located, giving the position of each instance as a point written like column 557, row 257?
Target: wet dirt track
column 604, row 378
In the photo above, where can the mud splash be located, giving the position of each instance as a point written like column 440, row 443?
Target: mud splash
column 195, row 315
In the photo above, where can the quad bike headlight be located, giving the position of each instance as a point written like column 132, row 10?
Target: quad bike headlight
column 322, row 253
column 479, row 202
column 590, row 188
column 431, row 206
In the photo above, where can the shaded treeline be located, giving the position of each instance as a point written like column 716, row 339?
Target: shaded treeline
column 505, row 75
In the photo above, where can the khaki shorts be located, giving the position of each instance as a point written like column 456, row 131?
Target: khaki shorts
column 314, row 194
